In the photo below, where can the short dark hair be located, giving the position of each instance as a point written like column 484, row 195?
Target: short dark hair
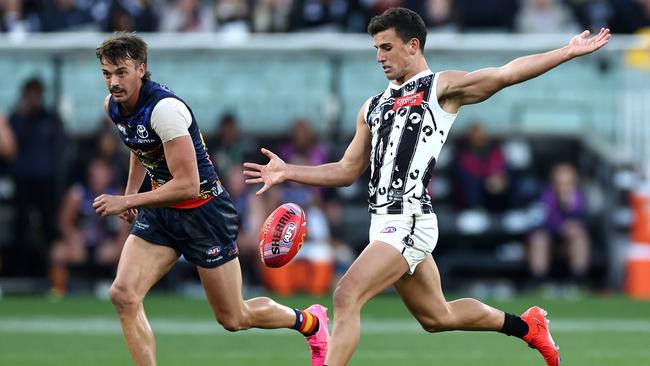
column 122, row 46
column 407, row 24
column 33, row 84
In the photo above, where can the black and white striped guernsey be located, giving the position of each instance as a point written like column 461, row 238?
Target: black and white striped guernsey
column 408, row 129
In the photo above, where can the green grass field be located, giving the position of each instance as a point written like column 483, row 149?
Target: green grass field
column 85, row 331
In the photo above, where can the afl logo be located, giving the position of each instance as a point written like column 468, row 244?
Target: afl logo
column 287, row 235
column 142, row 132
column 389, row 230
column 121, row 128
column 214, row 251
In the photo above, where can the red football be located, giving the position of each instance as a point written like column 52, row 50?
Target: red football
column 282, row 235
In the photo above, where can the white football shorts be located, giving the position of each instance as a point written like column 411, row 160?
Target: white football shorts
column 413, row 235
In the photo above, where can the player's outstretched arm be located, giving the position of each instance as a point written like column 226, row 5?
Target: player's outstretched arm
column 458, row 88
column 341, row 173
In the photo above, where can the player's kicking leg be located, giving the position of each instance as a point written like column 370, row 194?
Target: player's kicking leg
column 141, row 265
column 378, row 267
column 422, row 294
column 223, row 289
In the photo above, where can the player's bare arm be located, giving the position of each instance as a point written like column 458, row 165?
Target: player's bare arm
column 134, row 180
column 181, row 160
column 458, row 88
column 342, row 173
column 133, row 184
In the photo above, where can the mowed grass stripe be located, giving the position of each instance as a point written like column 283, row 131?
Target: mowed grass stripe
column 105, row 325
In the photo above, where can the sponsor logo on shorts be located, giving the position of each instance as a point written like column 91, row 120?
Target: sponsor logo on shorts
column 140, row 225
column 388, row 230
column 212, row 260
column 214, row 251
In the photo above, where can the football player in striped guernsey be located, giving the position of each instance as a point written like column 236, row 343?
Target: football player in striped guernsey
column 399, row 134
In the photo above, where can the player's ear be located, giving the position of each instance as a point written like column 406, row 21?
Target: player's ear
column 414, row 46
column 142, row 70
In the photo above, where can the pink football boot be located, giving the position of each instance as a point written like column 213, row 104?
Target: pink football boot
column 318, row 341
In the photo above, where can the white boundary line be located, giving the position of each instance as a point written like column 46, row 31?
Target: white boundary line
column 105, row 325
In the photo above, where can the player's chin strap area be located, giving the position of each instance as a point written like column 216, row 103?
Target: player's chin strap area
column 408, row 240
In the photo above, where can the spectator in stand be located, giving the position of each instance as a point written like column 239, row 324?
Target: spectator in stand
column 7, row 153
column 13, row 18
column 64, row 15
column 480, row 15
column 304, row 145
column 228, row 147
column 629, row 16
column 187, row 16
column 480, row 172
column 38, row 167
column 563, row 231
column 233, row 16
column 271, row 16
column 545, row 16
column 439, row 14
column 319, row 15
column 85, row 237
column 104, row 145
column 592, row 14
column 132, row 15
column 303, row 148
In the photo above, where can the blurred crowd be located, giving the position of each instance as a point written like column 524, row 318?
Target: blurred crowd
column 268, row 16
column 54, row 179
column 48, row 182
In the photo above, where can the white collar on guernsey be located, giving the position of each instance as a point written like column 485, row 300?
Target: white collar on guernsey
column 393, row 84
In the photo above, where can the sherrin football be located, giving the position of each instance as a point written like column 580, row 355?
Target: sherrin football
column 282, row 235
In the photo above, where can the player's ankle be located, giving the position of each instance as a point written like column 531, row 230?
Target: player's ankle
column 514, row 325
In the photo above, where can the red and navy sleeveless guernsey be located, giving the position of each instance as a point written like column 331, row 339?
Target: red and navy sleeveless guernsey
column 136, row 133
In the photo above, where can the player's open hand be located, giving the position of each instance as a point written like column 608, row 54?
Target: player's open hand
column 270, row 174
column 108, row 205
column 582, row 44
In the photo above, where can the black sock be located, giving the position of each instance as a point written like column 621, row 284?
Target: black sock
column 514, row 326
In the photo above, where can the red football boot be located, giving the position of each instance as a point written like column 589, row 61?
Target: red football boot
column 539, row 336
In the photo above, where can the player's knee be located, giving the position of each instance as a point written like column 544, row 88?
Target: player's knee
column 232, row 324
column 122, row 297
column 432, row 325
column 435, row 324
column 345, row 296
column 233, row 321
